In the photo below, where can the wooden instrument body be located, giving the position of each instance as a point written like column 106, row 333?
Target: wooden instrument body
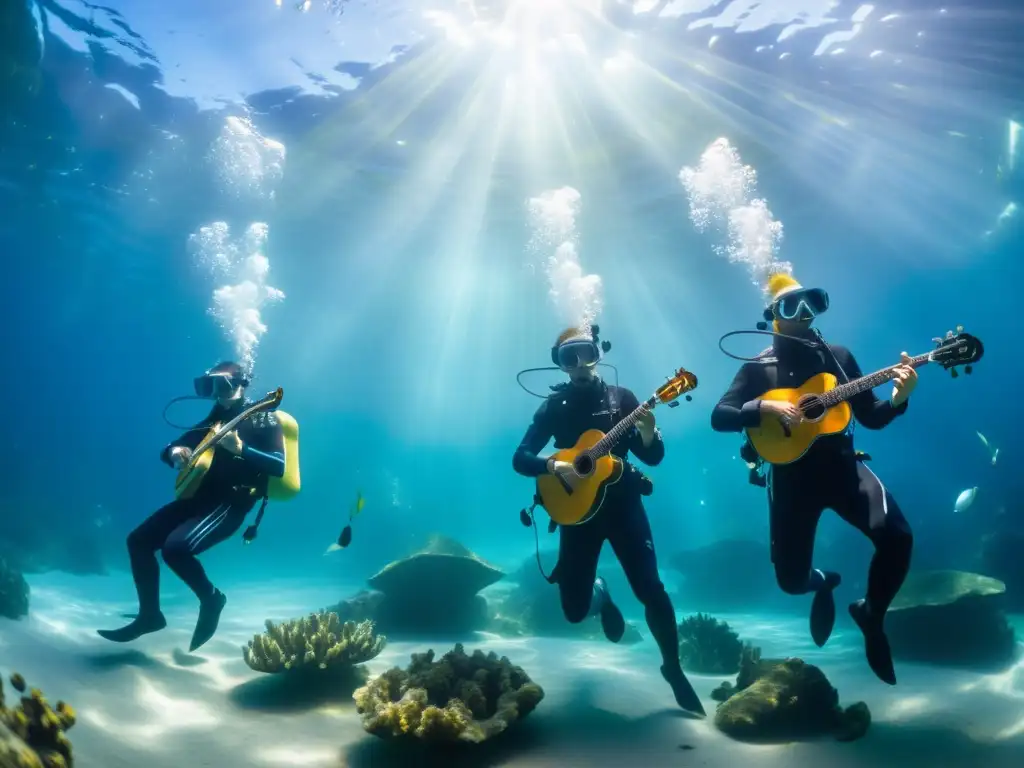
column 574, row 506
column 770, row 440
column 191, row 476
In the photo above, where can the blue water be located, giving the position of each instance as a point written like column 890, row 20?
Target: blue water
column 399, row 231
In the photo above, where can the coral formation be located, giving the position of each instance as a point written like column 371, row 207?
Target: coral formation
column 433, row 590
column 319, row 640
column 459, row 698
column 709, row 646
column 13, row 591
column 776, row 701
column 953, row 618
column 32, row 734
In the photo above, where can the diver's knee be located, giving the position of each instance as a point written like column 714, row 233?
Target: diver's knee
column 899, row 540
column 174, row 553
column 576, row 606
column 138, row 542
column 652, row 594
column 792, row 582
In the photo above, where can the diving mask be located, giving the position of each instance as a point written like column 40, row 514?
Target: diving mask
column 214, row 386
column 576, row 353
column 800, row 305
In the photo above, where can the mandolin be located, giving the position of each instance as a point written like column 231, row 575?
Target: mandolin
column 596, row 469
column 190, row 477
column 824, row 402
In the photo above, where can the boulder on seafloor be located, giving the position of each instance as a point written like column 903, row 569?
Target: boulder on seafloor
column 432, row 591
column 458, row 698
column 727, row 575
column 14, row 591
column 1001, row 556
column 951, row 617
column 779, row 701
column 32, row 733
column 533, row 608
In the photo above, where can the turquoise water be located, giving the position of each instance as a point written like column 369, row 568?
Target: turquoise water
column 389, row 209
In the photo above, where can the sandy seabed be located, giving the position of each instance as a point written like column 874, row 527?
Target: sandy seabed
column 152, row 704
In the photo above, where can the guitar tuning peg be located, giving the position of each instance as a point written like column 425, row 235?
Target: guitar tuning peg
column 959, row 329
column 949, row 334
column 937, row 340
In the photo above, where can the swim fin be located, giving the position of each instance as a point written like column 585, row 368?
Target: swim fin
column 612, row 623
column 682, row 689
column 209, row 617
column 876, row 644
column 823, row 609
column 139, row 626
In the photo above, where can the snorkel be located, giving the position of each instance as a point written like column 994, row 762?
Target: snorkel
column 578, row 353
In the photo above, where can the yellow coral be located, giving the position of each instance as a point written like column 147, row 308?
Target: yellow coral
column 456, row 698
column 319, row 640
column 34, row 731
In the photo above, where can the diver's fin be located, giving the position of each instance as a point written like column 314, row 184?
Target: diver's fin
column 995, row 456
column 333, row 548
column 984, row 440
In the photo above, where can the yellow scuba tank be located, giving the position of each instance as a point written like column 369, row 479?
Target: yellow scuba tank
column 287, row 487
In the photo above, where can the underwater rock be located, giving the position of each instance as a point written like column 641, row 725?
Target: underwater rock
column 14, row 591
column 458, row 698
column 950, row 617
column 1001, row 557
column 782, row 701
column 32, row 734
column 709, row 646
column 728, row 575
column 319, row 640
column 432, row 591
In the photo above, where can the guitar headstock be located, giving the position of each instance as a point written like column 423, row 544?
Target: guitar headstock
column 272, row 399
column 959, row 348
column 682, row 382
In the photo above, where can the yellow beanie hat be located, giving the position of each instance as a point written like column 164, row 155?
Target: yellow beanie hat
column 781, row 283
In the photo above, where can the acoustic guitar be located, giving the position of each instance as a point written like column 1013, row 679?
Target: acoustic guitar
column 824, row 402
column 596, row 469
column 190, row 477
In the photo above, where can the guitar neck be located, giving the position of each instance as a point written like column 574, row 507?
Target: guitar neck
column 845, row 391
column 610, row 440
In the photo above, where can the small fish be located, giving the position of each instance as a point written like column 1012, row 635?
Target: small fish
column 346, row 533
column 965, row 499
column 993, row 452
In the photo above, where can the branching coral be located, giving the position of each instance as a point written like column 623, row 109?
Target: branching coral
column 32, row 734
column 13, row 591
column 319, row 640
column 709, row 646
column 457, row 699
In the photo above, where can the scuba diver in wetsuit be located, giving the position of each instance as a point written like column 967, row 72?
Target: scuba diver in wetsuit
column 587, row 402
column 831, row 474
column 183, row 529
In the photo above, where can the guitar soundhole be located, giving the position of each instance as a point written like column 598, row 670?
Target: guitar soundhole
column 583, row 464
column 812, row 408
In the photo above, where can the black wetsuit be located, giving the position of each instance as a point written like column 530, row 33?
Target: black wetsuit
column 622, row 520
column 829, row 475
column 184, row 528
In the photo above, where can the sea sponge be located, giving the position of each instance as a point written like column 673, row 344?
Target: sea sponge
column 784, row 701
column 319, row 640
column 459, row 698
column 13, row 591
column 32, row 734
column 709, row 646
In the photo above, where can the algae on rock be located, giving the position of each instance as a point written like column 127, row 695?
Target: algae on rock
column 778, row 701
column 319, row 640
column 459, row 698
column 32, row 734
